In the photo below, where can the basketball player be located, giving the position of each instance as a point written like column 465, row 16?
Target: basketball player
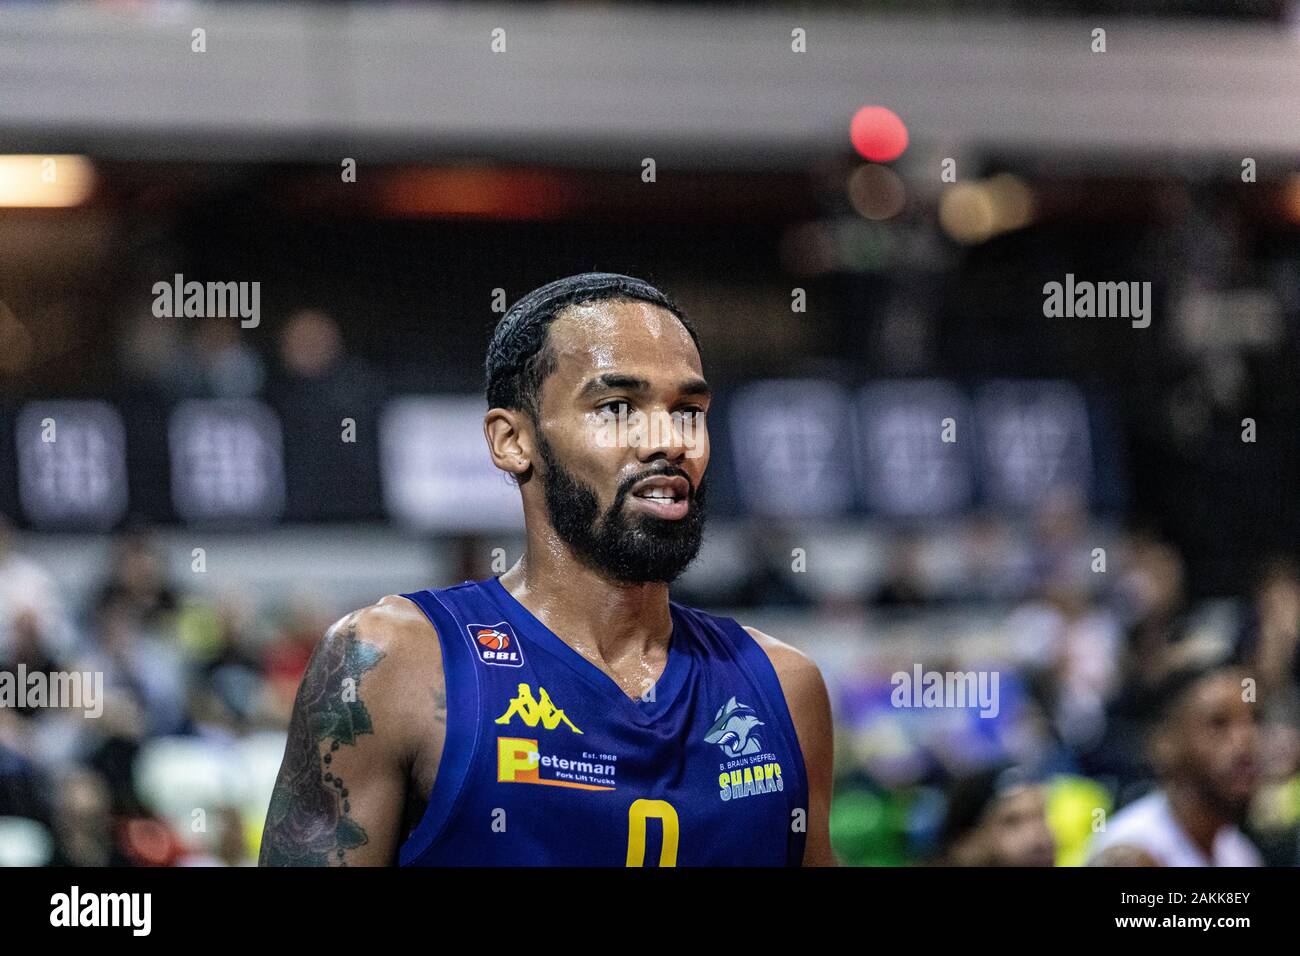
column 567, row 712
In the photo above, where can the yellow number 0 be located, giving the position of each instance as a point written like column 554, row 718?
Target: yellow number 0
column 637, row 815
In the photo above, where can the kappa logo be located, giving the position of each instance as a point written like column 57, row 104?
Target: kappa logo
column 733, row 730
column 496, row 644
column 532, row 712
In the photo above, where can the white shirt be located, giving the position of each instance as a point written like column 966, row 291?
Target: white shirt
column 1149, row 825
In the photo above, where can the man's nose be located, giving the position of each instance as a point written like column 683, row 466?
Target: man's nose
column 662, row 437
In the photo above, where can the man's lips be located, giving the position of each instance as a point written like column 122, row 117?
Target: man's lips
column 1244, row 771
column 665, row 496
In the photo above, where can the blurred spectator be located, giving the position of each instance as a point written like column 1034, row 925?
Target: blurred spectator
column 230, row 849
column 998, row 817
column 30, row 606
column 21, row 786
column 328, row 402
column 28, row 652
column 1061, row 551
column 228, row 366
column 83, row 823
column 1270, row 639
column 996, row 568
column 768, row 581
column 286, row 658
column 905, row 583
column 137, row 664
column 155, row 356
column 137, row 581
column 1153, row 609
column 1071, row 650
column 175, row 358
column 1205, row 749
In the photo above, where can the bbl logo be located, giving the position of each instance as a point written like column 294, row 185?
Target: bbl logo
column 496, row 644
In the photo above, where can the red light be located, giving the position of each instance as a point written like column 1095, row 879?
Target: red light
column 878, row 134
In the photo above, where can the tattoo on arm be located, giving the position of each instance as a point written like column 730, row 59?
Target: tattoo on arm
column 308, row 823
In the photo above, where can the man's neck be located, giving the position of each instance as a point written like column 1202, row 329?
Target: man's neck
column 1196, row 816
column 609, row 621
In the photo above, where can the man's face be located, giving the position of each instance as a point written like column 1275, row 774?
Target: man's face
column 1214, row 742
column 1015, row 832
column 622, row 439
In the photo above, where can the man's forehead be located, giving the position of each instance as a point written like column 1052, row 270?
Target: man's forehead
column 1221, row 689
column 1211, row 695
column 629, row 336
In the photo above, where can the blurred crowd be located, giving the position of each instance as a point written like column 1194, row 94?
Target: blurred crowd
column 196, row 694
column 1137, row 726
column 1123, row 706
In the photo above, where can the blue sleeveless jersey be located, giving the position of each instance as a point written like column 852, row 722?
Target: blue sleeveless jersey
column 547, row 762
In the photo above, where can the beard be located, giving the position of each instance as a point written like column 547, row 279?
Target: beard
column 633, row 549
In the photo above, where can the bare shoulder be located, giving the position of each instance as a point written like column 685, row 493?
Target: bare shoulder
column 395, row 619
column 393, row 626
column 390, row 646
column 794, row 669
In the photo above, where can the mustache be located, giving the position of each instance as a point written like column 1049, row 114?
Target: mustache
column 668, row 471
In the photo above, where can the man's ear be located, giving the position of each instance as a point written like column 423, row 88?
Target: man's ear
column 510, row 441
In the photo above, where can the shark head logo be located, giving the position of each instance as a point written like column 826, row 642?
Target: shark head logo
column 733, row 730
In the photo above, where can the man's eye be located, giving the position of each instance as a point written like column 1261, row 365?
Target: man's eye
column 615, row 407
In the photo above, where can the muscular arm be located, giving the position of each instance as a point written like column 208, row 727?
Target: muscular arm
column 365, row 736
column 810, row 709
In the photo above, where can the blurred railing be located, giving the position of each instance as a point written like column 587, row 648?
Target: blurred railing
column 281, row 81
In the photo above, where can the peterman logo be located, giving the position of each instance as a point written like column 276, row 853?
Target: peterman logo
column 496, row 644
column 520, row 760
column 733, row 730
column 532, row 712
